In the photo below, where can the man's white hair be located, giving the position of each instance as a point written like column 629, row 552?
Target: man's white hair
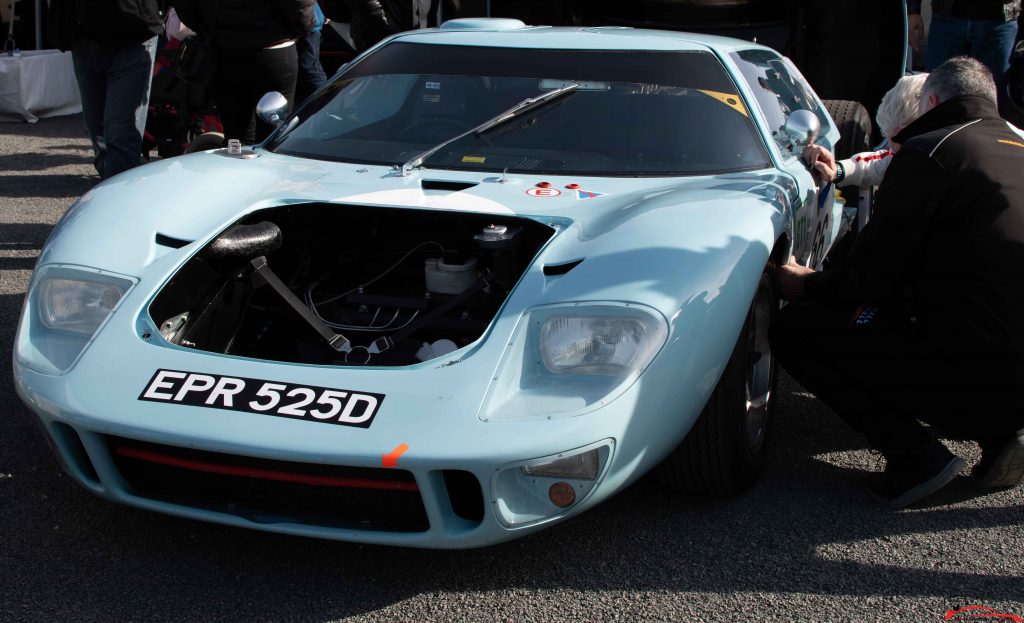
column 899, row 105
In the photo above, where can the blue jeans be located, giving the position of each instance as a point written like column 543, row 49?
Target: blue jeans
column 114, row 81
column 311, row 72
column 989, row 41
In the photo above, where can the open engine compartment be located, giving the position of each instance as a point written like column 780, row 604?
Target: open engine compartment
column 398, row 286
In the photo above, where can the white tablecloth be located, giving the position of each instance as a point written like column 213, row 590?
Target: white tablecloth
column 38, row 83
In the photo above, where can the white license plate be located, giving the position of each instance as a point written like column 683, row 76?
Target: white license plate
column 300, row 402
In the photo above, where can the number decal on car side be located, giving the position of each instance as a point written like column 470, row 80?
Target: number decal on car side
column 334, row 406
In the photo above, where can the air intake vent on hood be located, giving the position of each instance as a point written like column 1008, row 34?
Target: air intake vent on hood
column 167, row 241
column 446, row 185
column 553, row 270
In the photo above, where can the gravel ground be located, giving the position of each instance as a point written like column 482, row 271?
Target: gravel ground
column 806, row 544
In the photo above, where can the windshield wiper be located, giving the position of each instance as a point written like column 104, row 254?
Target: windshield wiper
column 526, row 105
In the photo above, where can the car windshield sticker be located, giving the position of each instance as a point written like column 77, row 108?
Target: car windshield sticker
column 588, row 194
column 729, row 99
column 543, row 192
column 433, row 85
column 300, row 402
column 474, row 159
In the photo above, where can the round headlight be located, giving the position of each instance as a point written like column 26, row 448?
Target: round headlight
column 75, row 305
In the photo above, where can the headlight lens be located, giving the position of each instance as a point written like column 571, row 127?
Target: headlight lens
column 601, row 345
column 75, row 305
column 65, row 307
column 565, row 360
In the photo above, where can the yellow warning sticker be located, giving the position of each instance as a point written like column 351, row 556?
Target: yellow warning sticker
column 729, row 99
column 1006, row 142
column 474, row 159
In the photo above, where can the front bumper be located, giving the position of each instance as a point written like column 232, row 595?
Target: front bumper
column 429, row 408
column 89, row 428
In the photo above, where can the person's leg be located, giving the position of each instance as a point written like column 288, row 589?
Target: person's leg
column 124, row 118
column 947, row 37
column 90, row 73
column 311, row 73
column 880, row 379
column 280, row 69
column 234, row 95
column 852, row 368
column 991, row 42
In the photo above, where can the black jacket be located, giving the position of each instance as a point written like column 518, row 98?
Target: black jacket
column 946, row 242
column 247, row 24
column 110, row 21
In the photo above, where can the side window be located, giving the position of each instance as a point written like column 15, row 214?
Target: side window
column 778, row 90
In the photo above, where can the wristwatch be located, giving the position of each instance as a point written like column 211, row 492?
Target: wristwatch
column 840, row 172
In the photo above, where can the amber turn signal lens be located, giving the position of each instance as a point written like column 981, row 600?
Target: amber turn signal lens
column 562, row 494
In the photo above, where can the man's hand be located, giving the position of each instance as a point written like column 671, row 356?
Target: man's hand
column 915, row 31
column 791, row 279
column 821, row 160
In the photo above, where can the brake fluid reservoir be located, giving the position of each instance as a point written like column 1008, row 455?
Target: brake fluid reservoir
column 454, row 278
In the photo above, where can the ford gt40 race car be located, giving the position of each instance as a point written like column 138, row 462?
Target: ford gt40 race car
column 485, row 278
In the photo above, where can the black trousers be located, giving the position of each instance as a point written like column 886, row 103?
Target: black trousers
column 874, row 370
column 244, row 76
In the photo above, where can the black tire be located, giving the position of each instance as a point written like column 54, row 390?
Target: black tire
column 854, row 125
column 206, row 140
column 855, row 129
column 722, row 455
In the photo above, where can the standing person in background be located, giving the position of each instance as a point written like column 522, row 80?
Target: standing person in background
column 311, row 72
column 372, row 20
column 112, row 47
column 255, row 40
column 984, row 29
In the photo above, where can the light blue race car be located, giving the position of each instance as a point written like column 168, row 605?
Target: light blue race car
column 484, row 279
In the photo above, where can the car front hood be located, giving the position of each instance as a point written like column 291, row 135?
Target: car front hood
column 191, row 198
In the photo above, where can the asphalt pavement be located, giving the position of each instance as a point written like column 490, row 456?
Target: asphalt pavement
column 806, row 544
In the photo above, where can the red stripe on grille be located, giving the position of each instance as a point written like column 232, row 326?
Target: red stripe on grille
column 265, row 474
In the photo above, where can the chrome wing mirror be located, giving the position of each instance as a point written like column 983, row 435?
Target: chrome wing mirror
column 272, row 108
column 802, row 128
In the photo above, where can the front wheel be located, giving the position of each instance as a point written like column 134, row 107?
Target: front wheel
column 724, row 452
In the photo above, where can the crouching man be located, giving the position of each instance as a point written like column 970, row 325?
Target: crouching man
column 924, row 322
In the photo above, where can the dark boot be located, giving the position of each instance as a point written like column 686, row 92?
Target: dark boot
column 1001, row 464
column 913, row 474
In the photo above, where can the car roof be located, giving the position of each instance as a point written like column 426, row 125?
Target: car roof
column 492, row 32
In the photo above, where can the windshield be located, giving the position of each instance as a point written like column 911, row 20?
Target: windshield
column 630, row 113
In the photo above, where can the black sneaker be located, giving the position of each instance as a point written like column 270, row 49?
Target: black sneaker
column 1001, row 465
column 910, row 477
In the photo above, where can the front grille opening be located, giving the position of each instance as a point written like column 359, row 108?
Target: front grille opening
column 464, row 492
column 71, row 448
column 270, row 491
